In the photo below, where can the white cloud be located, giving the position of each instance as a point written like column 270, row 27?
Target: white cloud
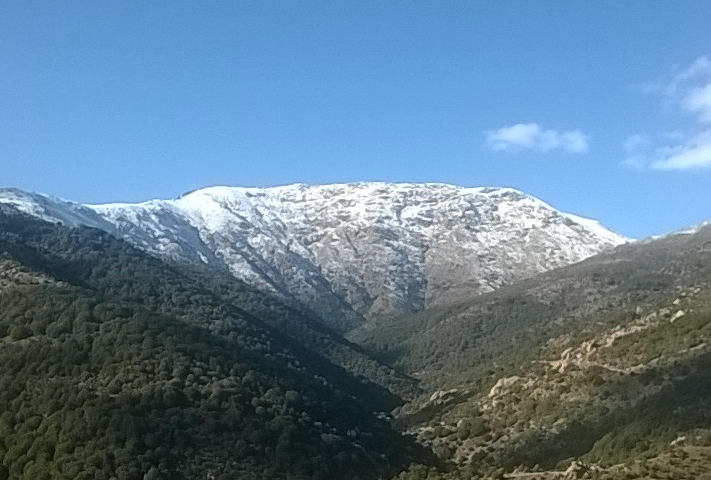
column 531, row 136
column 677, row 80
column 691, row 153
column 689, row 90
column 686, row 159
column 700, row 69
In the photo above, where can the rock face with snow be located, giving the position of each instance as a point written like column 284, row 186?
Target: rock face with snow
column 350, row 252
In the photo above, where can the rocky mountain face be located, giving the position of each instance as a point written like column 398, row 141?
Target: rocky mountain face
column 351, row 252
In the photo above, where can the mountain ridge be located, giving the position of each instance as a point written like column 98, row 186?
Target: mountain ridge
column 349, row 252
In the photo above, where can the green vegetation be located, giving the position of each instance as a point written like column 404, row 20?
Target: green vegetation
column 116, row 365
column 603, row 362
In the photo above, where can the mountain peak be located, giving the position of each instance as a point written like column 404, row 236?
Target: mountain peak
column 350, row 252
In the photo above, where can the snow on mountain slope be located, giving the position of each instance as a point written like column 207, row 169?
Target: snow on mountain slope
column 52, row 209
column 352, row 252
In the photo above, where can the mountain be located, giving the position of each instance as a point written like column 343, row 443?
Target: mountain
column 117, row 365
column 120, row 363
column 350, row 253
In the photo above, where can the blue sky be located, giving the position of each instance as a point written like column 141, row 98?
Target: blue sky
column 599, row 108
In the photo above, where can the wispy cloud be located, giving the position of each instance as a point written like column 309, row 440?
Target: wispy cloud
column 678, row 80
column 689, row 90
column 531, row 136
column 693, row 154
column 689, row 153
column 698, row 101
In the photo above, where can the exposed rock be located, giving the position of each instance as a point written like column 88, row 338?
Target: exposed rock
column 442, row 395
column 578, row 470
column 502, row 384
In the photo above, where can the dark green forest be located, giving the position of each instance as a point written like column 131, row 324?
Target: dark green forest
column 116, row 365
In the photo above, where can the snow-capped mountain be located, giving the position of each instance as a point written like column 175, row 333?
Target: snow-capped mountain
column 350, row 252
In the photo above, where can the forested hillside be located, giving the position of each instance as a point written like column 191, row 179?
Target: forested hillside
column 604, row 363
column 116, row 365
column 448, row 345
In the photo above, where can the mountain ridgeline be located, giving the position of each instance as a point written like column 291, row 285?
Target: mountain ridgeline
column 354, row 252
column 488, row 336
